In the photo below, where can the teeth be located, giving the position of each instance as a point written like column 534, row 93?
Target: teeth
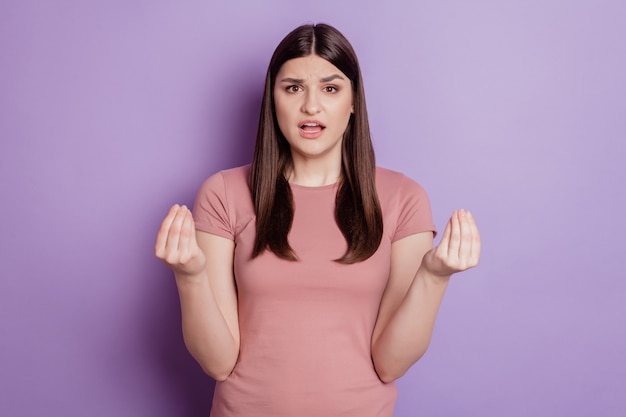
column 310, row 124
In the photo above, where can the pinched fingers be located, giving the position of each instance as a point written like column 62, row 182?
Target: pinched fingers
column 465, row 238
column 176, row 236
column 164, row 231
column 474, row 255
column 187, row 241
column 176, row 243
column 469, row 241
column 444, row 244
column 459, row 248
column 454, row 245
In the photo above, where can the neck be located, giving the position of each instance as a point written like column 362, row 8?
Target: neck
column 314, row 173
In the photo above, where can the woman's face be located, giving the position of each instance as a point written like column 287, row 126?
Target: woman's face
column 313, row 102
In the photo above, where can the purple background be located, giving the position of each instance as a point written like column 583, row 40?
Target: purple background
column 110, row 111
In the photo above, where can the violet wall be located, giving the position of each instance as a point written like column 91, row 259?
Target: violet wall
column 110, row 111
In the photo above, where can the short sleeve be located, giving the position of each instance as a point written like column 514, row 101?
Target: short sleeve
column 414, row 212
column 211, row 210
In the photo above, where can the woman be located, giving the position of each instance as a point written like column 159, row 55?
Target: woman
column 308, row 281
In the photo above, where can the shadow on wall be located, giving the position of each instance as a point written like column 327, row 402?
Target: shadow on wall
column 245, row 129
column 188, row 389
column 233, row 116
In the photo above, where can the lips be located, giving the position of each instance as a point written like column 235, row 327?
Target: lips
column 311, row 129
column 311, row 126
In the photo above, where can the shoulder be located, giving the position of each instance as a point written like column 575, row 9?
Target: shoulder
column 232, row 176
column 226, row 188
column 390, row 183
column 239, row 174
column 388, row 175
column 405, row 204
column 227, row 181
column 223, row 203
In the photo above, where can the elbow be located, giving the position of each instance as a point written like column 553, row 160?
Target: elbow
column 388, row 375
column 390, row 369
column 217, row 373
column 218, row 377
column 218, row 368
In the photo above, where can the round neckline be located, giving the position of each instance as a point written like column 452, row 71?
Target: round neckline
column 313, row 187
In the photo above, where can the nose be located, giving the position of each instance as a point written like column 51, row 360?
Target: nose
column 311, row 104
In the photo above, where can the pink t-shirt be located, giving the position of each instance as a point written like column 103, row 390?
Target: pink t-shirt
column 306, row 326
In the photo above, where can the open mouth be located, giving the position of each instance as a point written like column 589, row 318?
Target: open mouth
column 312, row 127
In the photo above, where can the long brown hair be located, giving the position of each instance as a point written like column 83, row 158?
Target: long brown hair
column 357, row 210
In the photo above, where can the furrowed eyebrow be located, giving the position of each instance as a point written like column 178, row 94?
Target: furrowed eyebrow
column 301, row 81
column 332, row 77
column 292, row 81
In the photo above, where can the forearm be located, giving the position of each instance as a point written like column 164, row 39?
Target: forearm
column 407, row 335
column 205, row 330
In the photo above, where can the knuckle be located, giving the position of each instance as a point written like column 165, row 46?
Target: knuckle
column 441, row 257
column 171, row 259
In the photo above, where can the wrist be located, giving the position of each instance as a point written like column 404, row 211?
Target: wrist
column 425, row 274
column 187, row 279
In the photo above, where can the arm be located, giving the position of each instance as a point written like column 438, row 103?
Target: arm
column 411, row 300
column 203, row 267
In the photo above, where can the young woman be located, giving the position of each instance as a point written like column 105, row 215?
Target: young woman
column 308, row 280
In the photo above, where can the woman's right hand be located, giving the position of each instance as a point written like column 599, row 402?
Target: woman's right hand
column 176, row 243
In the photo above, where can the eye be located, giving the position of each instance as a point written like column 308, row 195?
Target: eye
column 293, row 89
column 330, row 89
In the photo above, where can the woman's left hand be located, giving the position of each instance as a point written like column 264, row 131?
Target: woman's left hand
column 459, row 248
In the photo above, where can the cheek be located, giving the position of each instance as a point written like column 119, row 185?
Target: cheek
column 343, row 110
column 283, row 117
column 279, row 109
column 344, row 105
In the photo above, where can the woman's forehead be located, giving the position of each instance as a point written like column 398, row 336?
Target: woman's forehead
column 309, row 68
